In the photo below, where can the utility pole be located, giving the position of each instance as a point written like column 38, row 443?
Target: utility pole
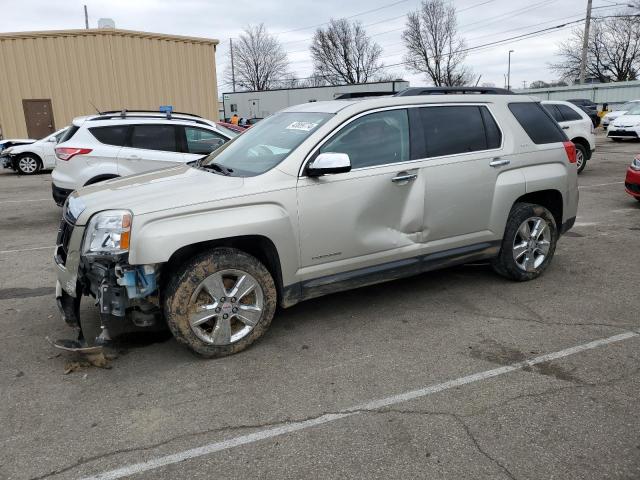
column 524, row 84
column 585, row 43
column 233, row 73
column 86, row 18
column 509, row 71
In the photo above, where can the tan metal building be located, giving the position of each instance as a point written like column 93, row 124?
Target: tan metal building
column 49, row 77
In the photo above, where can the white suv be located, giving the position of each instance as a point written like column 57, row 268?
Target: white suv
column 578, row 127
column 118, row 144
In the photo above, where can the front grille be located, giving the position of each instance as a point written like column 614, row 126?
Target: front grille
column 633, row 187
column 622, row 133
column 62, row 242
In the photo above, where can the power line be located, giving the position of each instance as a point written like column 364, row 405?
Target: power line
column 478, row 47
column 351, row 16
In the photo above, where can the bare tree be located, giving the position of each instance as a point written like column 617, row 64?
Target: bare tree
column 613, row 52
column 343, row 53
column 315, row 80
column 434, row 46
column 259, row 60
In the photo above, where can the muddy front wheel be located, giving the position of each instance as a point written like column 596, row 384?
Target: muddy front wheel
column 220, row 302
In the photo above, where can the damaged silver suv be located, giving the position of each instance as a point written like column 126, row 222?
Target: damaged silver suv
column 318, row 198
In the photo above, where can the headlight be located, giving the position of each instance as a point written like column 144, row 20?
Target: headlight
column 108, row 233
column 635, row 164
column 7, row 151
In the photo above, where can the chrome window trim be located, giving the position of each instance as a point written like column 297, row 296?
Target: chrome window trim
column 340, row 127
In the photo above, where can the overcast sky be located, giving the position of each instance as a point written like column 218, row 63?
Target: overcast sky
column 480, row 22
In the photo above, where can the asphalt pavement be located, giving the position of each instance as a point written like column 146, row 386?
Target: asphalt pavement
column 456, row 374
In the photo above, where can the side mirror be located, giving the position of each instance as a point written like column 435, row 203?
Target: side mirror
column 52, row 140
column 329, row 162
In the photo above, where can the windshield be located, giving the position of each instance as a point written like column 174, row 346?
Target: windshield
column 629, row 106
column 266, row 144
column 227, row 131
column 635, row 110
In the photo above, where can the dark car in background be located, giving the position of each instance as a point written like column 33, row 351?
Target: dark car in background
column 589, row 107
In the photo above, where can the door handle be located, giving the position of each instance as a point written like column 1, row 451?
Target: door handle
column 134, row 157
column 566, row 127
column 404, row 177
column 498, row 162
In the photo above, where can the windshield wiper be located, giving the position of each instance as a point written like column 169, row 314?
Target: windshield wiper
column 218, row 168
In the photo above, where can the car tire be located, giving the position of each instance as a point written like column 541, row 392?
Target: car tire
column 581, row 157
column 28, row 164
column 220, row 302
column 523, row 258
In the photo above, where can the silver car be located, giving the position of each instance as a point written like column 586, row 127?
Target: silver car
column 315, row 199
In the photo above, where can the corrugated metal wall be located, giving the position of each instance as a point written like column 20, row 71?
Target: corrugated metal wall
column 113, row 69
column 612, row 93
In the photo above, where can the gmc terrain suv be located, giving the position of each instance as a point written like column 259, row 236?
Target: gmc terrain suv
column 315, row 199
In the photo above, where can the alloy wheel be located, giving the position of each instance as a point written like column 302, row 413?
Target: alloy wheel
column 579, row 159
column 27, row 164
column 531, row 243
column 225, row 307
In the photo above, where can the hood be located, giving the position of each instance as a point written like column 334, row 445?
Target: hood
column 152, row 191
column 21, row 141
column 627, row 121
column 615, row 114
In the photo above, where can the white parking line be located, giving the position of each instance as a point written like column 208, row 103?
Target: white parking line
column 27, row 249
column 24, row 201
column 356, row 410
column 600, row 185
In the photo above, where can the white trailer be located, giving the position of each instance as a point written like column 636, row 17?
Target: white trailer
column 260, row 104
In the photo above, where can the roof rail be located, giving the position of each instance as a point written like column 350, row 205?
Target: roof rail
column 407, row 92
column 124, row 115
column 125, row 112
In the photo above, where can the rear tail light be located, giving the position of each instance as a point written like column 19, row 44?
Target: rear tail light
column 67, row 153
column 570, row 148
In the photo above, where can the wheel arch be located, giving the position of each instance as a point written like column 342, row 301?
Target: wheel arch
column 583, row 142
column 258, row 246
column 28, row 153
column 550, row 199
column 101, row 178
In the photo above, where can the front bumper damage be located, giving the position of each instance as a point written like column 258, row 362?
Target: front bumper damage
column 126, row 295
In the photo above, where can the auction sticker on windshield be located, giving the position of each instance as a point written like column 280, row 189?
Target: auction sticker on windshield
column 305, row 126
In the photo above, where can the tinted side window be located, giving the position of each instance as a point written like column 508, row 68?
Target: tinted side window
column 494, row 136
column 537, row 123
column 569, row 113
column 116, row 135
column 555, row 113
column 375, row 139
column 202, row 141
column 451, row 130
column 69, row 133
column 154, row 137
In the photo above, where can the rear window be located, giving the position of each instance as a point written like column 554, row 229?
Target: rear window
column 553, row 110
column 69, row 133
column 449, row 130
column 154, row 137
column 116, row 135
column 537, row 122
column 569, row 113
